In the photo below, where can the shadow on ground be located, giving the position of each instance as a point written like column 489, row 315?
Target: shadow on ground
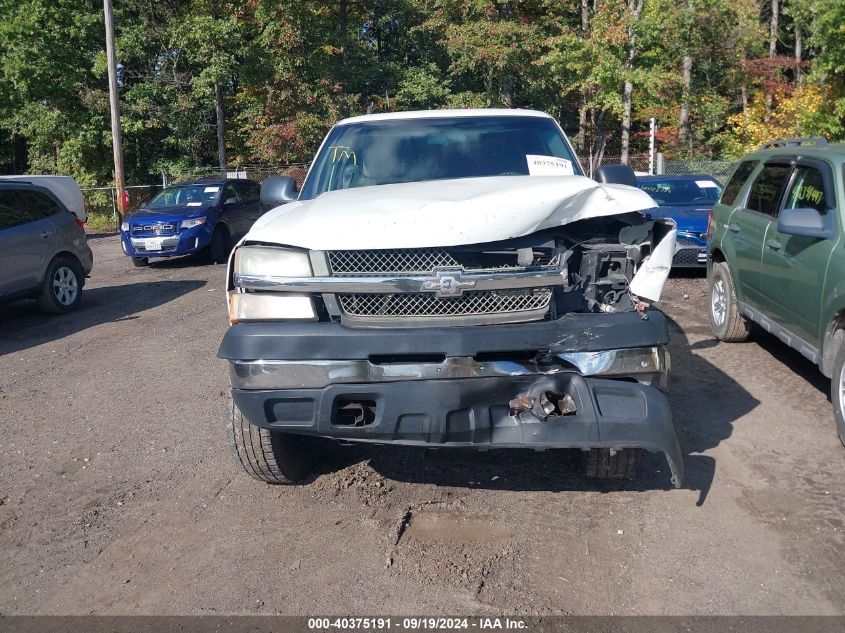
column 792, row 359
column 24, row 325
column 181, row 261
column 688, row 273
column 706, row 402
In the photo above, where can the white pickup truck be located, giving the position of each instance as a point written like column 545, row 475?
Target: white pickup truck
column 450, row 279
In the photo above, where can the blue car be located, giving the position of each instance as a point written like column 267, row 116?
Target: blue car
column 688, row 200
column 190, row 217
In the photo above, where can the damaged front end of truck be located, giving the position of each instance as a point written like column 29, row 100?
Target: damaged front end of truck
column 488, row 313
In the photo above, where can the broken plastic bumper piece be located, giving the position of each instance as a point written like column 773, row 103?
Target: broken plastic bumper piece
column 578, row 412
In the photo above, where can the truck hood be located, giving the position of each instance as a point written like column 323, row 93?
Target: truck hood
column 443, row 212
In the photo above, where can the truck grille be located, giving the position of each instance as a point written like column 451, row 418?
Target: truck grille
column 422, row 304
column 421, row 261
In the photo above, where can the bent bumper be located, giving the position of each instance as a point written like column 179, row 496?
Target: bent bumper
column 647, row 365
column 476, row 413
column 455, row 386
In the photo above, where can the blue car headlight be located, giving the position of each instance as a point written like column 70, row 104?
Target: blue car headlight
column 189, row 224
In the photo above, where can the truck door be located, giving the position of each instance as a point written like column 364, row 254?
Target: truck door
column 749, row 224
column 794, row 266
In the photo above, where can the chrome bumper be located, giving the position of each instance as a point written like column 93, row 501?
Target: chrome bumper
column 646, row 365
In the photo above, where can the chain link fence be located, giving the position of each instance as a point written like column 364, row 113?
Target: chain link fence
column 718, row 169
column 253, row 172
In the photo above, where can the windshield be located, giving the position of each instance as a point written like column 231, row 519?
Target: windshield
column 185, row 196
column 703, row 191
column 414, row 150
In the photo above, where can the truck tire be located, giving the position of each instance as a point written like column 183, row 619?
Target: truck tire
column 609, row 464
column 140, row 262
column 725, row 320
column 837, row 390
column 269, row 456
column 61, row 289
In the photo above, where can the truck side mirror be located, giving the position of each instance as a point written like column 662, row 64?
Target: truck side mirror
column 803, row 222
column 277, row 190
column 616, row 175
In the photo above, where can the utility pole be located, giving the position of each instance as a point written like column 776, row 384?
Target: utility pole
column 221, row 128
column 652, row 128
column 114, row 102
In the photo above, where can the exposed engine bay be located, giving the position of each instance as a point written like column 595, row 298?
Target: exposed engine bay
column 588, row 266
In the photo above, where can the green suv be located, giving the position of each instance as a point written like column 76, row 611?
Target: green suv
column 777, row 254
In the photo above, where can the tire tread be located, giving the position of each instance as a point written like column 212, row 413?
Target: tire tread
column 737, row 327
column 261, row 453
column 603, row 463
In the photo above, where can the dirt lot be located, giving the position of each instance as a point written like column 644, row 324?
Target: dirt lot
column 117, row 494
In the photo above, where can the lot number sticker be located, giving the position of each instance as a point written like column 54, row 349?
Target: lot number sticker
column 548, row 166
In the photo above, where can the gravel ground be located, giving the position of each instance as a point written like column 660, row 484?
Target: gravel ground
column 117, row 494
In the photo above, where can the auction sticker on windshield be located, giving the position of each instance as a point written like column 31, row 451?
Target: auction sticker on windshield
column 548, row 166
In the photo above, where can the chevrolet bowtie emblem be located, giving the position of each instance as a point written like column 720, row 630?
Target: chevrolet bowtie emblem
column 449, row 283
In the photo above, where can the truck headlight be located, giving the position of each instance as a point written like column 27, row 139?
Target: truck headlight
column 266, row 306
column 125, row 227
column 191, row 223
column 268, row 261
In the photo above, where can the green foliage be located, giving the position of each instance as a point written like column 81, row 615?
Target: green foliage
column 289, row 70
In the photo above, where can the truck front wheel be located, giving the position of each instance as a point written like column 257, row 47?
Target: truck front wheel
column 606, row 463
column 270, row 456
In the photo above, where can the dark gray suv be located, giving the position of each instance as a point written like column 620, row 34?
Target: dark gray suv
column 43, row 251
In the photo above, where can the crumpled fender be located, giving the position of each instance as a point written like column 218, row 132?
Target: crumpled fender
column 649, row 280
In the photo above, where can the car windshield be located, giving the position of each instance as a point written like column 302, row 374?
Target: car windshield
column 413, row 150
column 185, row 196
column 683, row 191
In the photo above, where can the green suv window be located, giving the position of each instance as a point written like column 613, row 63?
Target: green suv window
column 738, row 179
column 766, row 190
column 807, row 191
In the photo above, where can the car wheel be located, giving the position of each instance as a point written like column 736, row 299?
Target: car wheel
column 609, row 464
column 218, row 250
column 269, row 456
column 725, row 320
column 61, row 290
column 837, row 390
column 140, row 261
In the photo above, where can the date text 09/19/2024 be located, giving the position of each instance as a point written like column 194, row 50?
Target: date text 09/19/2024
column 418, row 623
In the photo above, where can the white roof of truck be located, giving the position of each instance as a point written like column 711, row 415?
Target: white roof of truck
column 442, row 114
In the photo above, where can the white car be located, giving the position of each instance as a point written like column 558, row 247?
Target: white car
column 450, row 279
